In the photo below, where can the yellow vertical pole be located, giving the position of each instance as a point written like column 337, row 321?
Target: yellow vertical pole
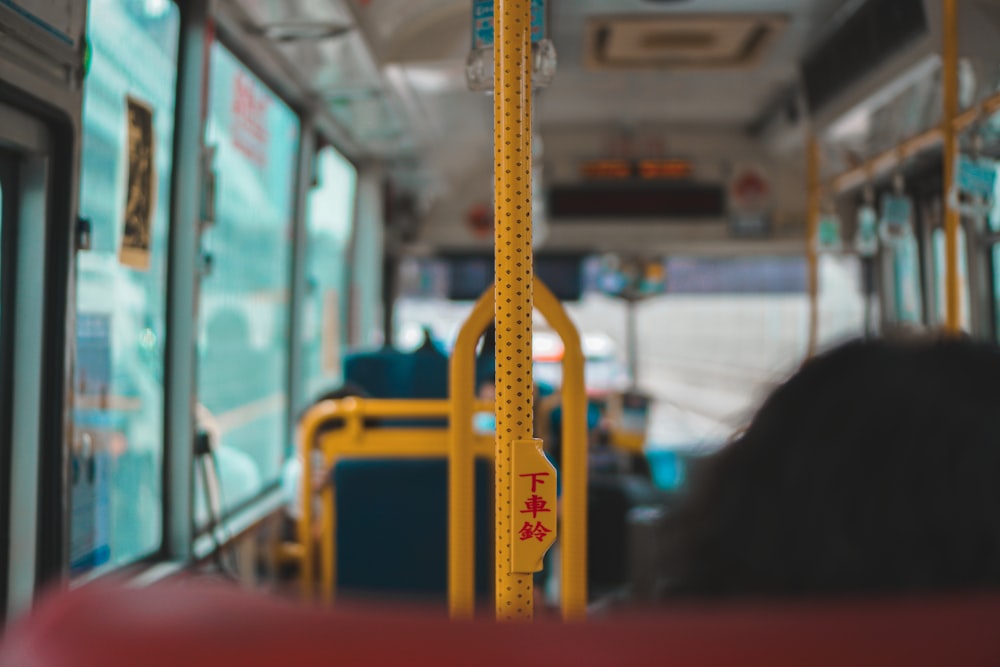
column 307, row 573
column 513, row 289
column 949, row 77
column 573, row 526
column 461, row 462
column 812, row 242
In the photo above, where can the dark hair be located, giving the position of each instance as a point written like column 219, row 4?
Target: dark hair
column 874, row 469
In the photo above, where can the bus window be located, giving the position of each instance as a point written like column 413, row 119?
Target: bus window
column 117, row 454
column 244, row 302
column 329, row 224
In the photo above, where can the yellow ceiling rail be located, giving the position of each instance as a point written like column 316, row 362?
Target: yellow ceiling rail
column 890, row 158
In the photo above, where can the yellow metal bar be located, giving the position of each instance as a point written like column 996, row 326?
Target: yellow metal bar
column 573, row 584
column 885, row 161
column 400, row 443
column 812, row 233
column 328, row 544
column 355, row 441
column 310, row 427
column 949, row 77
column 513, row 289
column 984, row 109
column 461, row 478
column 889, row 159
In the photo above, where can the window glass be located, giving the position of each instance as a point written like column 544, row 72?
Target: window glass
column 117, row 453
column 243, row 314
column 366, row 287
column 330, row 220
column 940, row 302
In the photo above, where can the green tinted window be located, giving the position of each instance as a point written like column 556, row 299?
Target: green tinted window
column 117, row 451
column 244, row 306
column 330, row 221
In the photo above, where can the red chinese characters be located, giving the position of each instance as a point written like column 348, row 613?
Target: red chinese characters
column 249, row 119
column 535, row 505
column 538, row 531
column 534, row 479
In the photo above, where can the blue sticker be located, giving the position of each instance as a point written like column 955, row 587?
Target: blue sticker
column 482, row 23
column 975, row 178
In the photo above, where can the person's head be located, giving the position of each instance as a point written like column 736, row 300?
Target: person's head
column 874, row 469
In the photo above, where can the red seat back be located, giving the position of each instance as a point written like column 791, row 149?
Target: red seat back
column 195, row 624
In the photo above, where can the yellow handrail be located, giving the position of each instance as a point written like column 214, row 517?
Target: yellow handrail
column 460, row 444
column 889, row 158
column 357, row 441
column 461, row 481
column 461, row 594
column 573, row 585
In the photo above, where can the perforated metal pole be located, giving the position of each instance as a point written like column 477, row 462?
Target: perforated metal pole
column 949, row 78
column 514, row 289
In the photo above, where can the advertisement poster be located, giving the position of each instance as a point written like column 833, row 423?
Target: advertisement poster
column 90, row 500
column 90, row 458
column 141, row 193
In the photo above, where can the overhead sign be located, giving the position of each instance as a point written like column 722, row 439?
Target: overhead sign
column 897, row 211
column 535, row 497
column 866, row 240
column 976, row 177
column 482, row 23
column 828, row 235
column 647, row 169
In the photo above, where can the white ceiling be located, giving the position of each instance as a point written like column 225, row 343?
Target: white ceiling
column 397, row 80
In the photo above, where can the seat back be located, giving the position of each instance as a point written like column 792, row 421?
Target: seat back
column 169, row 625
column 392, row 527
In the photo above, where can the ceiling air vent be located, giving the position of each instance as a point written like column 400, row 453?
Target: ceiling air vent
column 679, row 41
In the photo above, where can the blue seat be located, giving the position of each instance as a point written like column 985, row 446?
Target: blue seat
column 392, row 527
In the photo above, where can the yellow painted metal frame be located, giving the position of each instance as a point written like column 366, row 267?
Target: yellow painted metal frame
column 573, row 529
column 461, row 445
column 461, row 481
column 949, row 78
column 356, row 441
column 514, row 287
column 890, row 158
column 573, row 539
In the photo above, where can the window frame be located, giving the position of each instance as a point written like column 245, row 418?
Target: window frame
column 9, row 205
column 163, row 548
